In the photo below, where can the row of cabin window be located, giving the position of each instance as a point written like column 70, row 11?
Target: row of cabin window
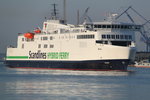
column 28, row 40
column 116, row 37
column 66, row 37
column 40, row 46
column 42, row 38
column 118, row 26
column 46, row 46
column 85, row 36
column 46, row 38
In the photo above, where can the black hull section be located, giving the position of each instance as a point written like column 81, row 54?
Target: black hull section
column 95, row 65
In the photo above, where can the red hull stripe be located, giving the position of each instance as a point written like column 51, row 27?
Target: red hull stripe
column 71, row 69
column 143, row 66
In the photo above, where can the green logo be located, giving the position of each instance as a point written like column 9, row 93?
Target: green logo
column 58, row 55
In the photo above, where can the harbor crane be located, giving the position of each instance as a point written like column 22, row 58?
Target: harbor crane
column 145, row 29
column 85, row 16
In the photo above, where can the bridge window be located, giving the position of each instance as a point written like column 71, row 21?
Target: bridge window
column 137, row 27
column 113, row 36
column 108, row 36
column 115, row 26
column 108, row 26
column 121, row 37
column 99, row 26
column 122, row 27
column 126, row 36
column 103, row 26
column 126, row 27
column 117, row 36
column 95, row 26
column 103, row 36
column 130, row 37
column 90, row 26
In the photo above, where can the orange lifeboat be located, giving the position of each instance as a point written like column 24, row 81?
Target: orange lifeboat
column 29, row 35
column 37, row 30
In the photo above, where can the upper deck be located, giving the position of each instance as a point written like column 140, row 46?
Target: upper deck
column 112, row 26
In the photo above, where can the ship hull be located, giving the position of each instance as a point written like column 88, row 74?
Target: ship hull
column 95, row 65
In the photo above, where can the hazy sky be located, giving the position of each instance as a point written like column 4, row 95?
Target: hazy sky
column 19, row 16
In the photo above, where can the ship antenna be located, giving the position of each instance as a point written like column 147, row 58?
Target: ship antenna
column 78, row 17
column 65, row 15
column 54, row 13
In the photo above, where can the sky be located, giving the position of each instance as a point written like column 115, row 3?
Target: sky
column 20, row 16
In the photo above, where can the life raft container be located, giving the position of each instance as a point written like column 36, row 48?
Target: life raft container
column 29, row 35
column 37, row 30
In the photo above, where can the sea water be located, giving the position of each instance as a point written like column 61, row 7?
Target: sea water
column 32, row 84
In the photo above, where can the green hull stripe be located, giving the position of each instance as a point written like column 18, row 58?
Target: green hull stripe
column 17, row 57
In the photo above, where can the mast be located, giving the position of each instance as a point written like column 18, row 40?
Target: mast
column 78, row 17
column 65, row 19
column 54, row 13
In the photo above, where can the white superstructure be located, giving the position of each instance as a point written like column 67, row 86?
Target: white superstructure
column 91, row 41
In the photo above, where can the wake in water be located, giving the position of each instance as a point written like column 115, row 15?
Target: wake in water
column 69, row 72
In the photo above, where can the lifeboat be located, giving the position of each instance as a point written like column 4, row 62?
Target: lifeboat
column 29, row 35
column 37, row 30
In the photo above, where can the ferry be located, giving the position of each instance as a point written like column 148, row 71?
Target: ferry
column 90, row 46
